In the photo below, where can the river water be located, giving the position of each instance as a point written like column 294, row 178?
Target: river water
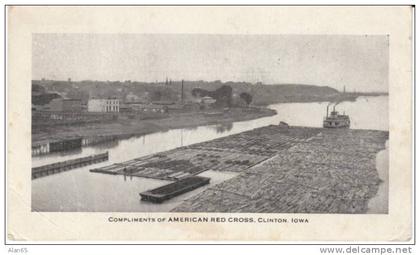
column 81, row 190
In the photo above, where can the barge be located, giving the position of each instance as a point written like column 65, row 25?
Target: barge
column 171, row 190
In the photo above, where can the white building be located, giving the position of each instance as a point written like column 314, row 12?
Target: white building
column 138, row 107
column 104, row 105
column 131, row 97
column 208, row 100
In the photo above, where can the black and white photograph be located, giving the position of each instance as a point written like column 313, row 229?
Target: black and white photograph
column 210, row 125
column 225, row 123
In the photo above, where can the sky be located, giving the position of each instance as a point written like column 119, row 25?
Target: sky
column 359, row 62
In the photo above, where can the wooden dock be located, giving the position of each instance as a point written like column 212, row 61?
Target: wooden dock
column 57, row 145
column 54, row 168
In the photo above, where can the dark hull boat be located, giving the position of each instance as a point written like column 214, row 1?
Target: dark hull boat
column 171, row 190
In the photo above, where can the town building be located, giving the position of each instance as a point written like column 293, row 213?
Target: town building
column 130, row 97
column 140, row 107
column 206, row 102
column 65, row 105
column 163, row 102
column 124, row 108
column 103, row 105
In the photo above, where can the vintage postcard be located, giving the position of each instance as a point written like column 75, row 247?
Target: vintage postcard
column 209, row 123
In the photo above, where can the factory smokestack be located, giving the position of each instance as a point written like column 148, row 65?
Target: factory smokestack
column 182, row 91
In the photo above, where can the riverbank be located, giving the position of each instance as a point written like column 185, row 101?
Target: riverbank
column 125, row 128
column 336, row 97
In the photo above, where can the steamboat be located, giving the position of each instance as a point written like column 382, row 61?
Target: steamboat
column 336, row 120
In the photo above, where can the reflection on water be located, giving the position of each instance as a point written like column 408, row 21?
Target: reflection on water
column 108, row 144
column 221, row 128
column 74, row 153
column 80, row 190
column 190, row 128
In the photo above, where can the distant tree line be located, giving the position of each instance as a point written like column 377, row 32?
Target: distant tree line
column 40, row 96
column 262, row 94
column 222, row 95
column 246, row 97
